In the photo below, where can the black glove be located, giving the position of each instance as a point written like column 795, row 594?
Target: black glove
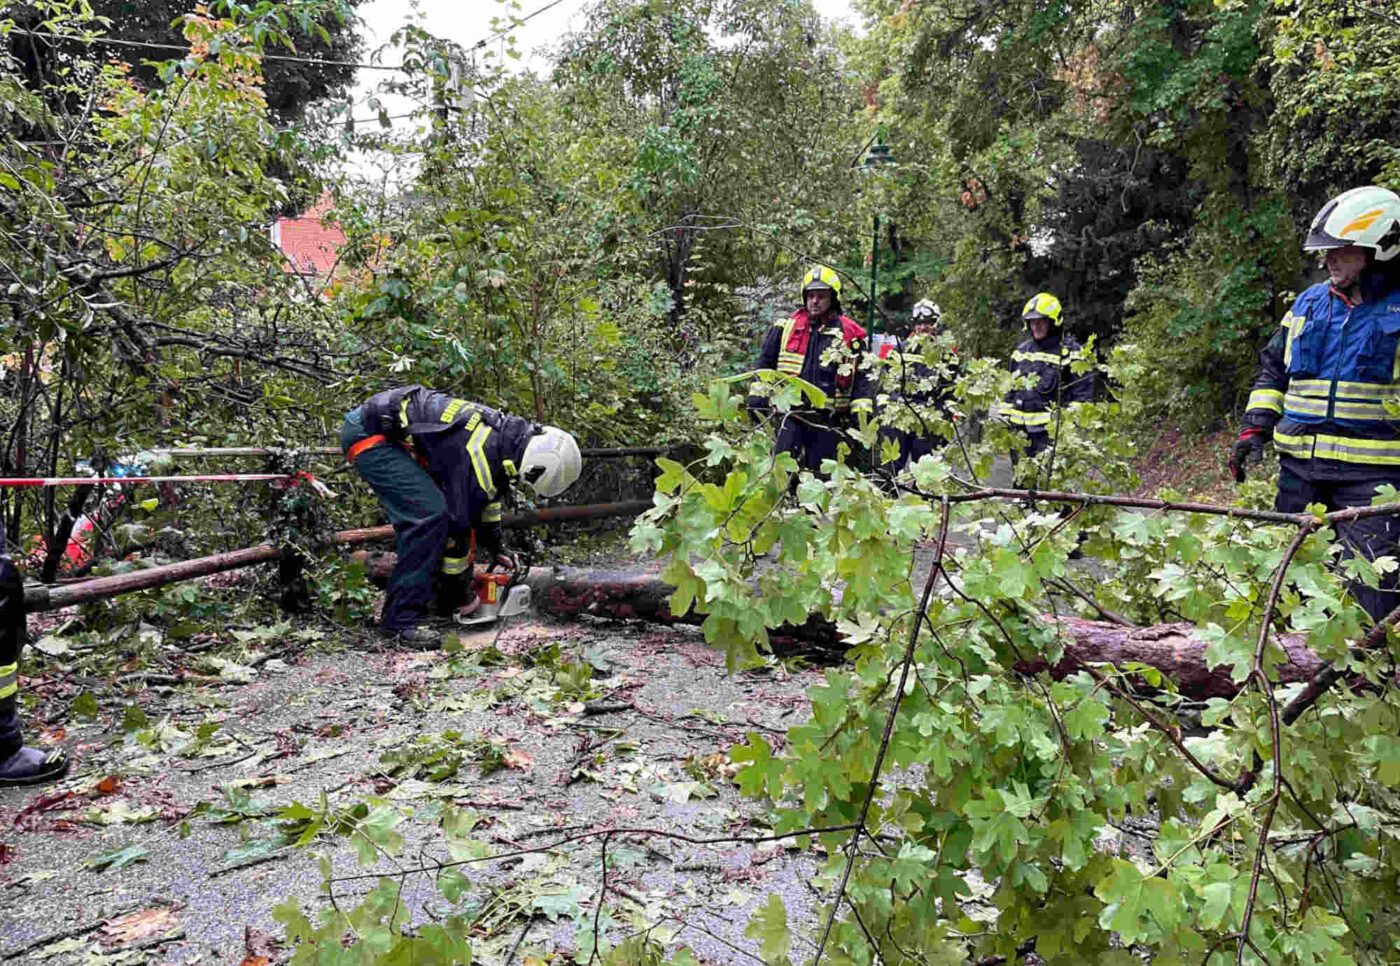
column 1248, row 448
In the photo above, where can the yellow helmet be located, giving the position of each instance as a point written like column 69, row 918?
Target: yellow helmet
column 819, row 276
column 1042, row 306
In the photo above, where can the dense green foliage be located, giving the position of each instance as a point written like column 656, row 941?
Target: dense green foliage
column 1152, row 163
column 1012, row 811
column 590, row 248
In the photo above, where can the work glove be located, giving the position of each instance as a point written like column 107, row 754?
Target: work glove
column 1248, row 448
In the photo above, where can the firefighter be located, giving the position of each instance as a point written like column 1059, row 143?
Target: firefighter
column 19, row 764
column 1324, row 378
column 1046, row 357
column 440, row 467
column 909, row 377
column 799, row 346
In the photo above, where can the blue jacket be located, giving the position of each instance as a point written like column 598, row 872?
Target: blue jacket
column 1326, row 374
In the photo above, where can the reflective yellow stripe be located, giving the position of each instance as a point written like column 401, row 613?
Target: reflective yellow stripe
column 1294, row 324
column 453, row 566
column 1304, row 405
column 476, row 449
column 1343, row 409
column 1346, row 449
column 453, row 408
column 403, row 413
column 9, row 676
column 1368, row 390
column 1310, row 387
column 1019, row 417
column 1269, row 399
column 1048, row 357
column 492, row 513
column 1340, row 408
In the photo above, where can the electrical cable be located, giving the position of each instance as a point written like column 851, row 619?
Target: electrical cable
column 122, row 42
column 285, row 58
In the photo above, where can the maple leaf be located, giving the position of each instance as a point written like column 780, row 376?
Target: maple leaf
column 137, row 926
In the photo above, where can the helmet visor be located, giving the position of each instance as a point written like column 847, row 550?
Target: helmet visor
column 1320, row 241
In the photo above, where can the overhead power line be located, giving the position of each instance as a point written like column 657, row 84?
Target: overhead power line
column 122, row 42
column 516, row 23
column 284, row 58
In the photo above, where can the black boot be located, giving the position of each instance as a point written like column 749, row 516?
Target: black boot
column 18, row 765
column 33, row 766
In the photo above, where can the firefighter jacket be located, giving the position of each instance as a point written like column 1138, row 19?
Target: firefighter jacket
column 799, row 345
column 1326, row 373
column 471, row 450
column 1056, row 384
column 925, row 376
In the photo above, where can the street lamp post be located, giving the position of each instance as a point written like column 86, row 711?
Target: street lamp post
column 878, row 157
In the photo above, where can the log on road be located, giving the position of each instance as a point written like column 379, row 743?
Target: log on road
column 1173, row 649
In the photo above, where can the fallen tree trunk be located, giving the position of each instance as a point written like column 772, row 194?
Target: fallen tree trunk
column 39, row 597
column 1172, row 649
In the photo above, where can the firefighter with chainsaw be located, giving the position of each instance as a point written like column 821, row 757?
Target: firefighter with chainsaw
column 1325, row 377
column 823, row 347
column 441, row 467
column 1047, row 358
column 19, row 764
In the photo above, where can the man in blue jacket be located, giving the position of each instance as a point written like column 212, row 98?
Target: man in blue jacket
column 1325, row 377
column 440, row 467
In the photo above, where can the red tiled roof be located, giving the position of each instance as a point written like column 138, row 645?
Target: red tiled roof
column 309, row 244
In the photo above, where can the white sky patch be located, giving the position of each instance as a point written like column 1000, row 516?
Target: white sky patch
column 467, row 22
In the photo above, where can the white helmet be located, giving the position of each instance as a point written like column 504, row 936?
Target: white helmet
column 552, row 462
column 926, row 311
column 1369, row 217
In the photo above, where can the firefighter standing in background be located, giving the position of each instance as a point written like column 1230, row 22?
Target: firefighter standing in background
column 822, row 346
column 921, row 378
column 440, row 467
column 1046, row 357
column 19, row 765
column 1324, row 378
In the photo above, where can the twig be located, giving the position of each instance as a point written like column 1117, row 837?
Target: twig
column 595, row 833
column 264, row 859
column 935, row 568
column 1258, row 674
column 519, row 941
column 52, row 937
column 1330, row 674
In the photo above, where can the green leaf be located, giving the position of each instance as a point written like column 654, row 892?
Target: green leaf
column 119, row 858
column 769, row 926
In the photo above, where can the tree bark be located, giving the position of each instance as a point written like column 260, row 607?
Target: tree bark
column 1172, row 649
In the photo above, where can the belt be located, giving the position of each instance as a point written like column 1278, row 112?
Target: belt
column 368, row 443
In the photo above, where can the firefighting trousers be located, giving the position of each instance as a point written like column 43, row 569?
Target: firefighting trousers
column 809, row 443
column 11, row 643
column 1301, row 482
column 417, row 509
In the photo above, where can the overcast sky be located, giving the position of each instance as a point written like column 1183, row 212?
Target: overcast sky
column 467, row 21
